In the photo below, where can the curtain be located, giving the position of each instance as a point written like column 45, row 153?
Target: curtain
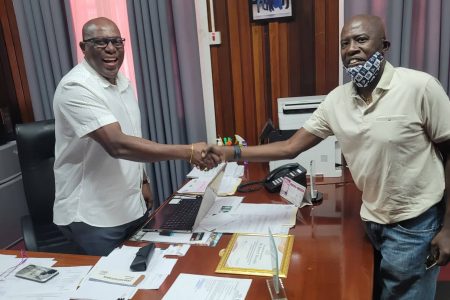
column 419, row 32
column 45, row 37
column 166, row 63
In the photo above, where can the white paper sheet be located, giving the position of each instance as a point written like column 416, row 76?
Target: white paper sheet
column 120, row 260
column 252, row 218
column 189, row 286
column 224, row 205
column 178, row 250
column 254, row 252
column 211, row 173
column 177, row 238
column 93, row 290
column 195, row 186
column 201, row 179
column 232, row 169
column 228, row 186
column 59, row 287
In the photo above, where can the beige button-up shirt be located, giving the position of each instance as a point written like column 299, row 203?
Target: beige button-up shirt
column 389, row 143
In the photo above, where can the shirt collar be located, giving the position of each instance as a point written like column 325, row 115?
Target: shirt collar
column 122, row 81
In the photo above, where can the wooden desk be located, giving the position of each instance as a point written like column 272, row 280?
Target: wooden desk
column 331, row 258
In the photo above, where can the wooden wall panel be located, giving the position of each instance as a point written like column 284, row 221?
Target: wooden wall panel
column 275, row 68
column 304, row 30
column 259, row 68
column 320, row 45
column 327, row 41
column 16, row 63
column 221, row 70
column 248, row 101
column 333, row 56
column 236, row 61
column 260, row 62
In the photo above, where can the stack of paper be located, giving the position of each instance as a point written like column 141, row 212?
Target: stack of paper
column 195, row 186
column 211, row 173
column 200, row 238
column 228, row 186
column 59, row 287
column 118, row 262
column 232, row 169
column 252, row 218
column 230, row 181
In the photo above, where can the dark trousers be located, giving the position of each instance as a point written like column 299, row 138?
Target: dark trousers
column 100, row 241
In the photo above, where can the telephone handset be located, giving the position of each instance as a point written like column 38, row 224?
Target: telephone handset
column 294, row 171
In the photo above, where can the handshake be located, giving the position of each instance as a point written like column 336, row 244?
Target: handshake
column 205, row 157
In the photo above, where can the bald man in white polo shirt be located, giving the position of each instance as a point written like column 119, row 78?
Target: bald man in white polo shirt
column 99, row 174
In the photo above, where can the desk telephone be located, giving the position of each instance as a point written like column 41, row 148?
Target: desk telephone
column 294, row 171
column 274, row 180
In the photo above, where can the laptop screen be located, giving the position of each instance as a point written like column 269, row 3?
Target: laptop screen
column 170, row 212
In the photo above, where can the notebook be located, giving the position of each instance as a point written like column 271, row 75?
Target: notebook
column 184, row 212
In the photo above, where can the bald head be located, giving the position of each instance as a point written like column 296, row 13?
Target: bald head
column 373, row 24
column 103, row 47
column 361, row 37
column 97, row 26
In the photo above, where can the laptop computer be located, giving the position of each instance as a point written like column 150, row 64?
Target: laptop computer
column 184, row 212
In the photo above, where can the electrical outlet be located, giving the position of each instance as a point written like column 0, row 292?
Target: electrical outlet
column 214, row 38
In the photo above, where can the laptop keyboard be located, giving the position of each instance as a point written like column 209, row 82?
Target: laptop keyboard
column 184, row 215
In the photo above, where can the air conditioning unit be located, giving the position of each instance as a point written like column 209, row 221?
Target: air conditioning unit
column 292, row 114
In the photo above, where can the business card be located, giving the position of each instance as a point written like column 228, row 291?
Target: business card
column 292, row 191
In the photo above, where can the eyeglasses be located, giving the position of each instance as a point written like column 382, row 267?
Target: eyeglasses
column 102, row 43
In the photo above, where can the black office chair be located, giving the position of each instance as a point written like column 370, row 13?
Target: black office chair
column 36, row 148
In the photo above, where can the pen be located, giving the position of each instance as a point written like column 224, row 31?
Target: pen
column 311, row 180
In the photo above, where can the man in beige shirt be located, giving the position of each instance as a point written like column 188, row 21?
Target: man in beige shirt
column 393, row 127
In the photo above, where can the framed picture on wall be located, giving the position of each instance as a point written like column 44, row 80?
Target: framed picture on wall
column 270, row 10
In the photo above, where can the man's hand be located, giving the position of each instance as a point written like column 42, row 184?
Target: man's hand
column 441, row 245
column 201, row 158
column 221, row 153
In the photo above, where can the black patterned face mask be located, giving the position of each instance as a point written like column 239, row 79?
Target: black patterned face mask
column 363, row 75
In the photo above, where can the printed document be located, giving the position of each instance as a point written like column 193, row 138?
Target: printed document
column 199, row 287
column 119, row 261
column 252, row 218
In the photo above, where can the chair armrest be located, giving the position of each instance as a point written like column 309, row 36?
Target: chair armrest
column 28, row 234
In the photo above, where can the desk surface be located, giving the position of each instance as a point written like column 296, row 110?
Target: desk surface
column 331, row 257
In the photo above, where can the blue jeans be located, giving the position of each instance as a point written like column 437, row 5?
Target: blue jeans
column 401, row 250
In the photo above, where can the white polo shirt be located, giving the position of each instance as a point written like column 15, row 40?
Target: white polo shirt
column 388, row 144
column 91, row 186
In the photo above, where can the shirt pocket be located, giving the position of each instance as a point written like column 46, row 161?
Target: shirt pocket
column 389, row 129
column 394, row 118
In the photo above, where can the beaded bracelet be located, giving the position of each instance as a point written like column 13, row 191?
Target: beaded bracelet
column 237, row 152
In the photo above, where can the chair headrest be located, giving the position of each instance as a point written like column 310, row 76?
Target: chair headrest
column 35, row 141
